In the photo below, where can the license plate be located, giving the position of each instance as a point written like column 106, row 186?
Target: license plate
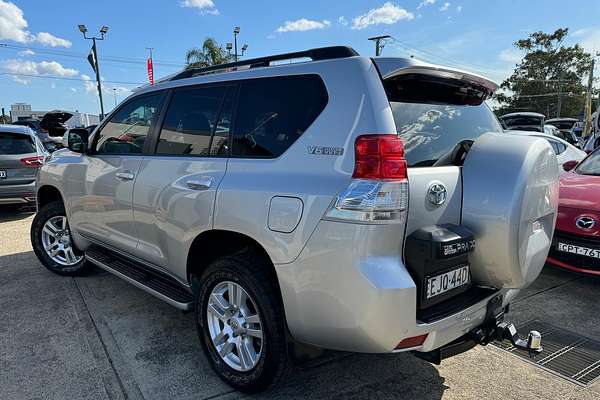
column 579, row 250
column 439, row 284
column 2, row 174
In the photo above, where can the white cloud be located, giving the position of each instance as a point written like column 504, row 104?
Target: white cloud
column 90, row 86
column 303, row 24
column 511, row 55
column 458, row 8
column 589, row 39
column 12, row 23
column 425, row 3
column 26, row 53
column 445, row 6
column 388, row 14
column 48, row 39
column 205, row 6
column 343, row 21
column 43, row 68
column 13, row 26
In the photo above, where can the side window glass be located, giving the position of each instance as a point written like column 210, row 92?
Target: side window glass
column 561, row 147
column 190, row 122
column 273, row 113
column 126, row 131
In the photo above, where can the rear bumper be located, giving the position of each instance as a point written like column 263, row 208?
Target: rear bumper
column 18, row 194
column 359, row 299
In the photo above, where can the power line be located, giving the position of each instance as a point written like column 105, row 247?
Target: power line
column 72, row 54
column 64, row 78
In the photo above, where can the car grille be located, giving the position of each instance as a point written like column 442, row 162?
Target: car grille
column 574, row 259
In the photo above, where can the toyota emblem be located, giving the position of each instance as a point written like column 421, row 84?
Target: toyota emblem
column 437, row 194
column 586, row 223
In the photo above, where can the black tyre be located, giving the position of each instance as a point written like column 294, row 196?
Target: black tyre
column 51, row 241
column 241, row 323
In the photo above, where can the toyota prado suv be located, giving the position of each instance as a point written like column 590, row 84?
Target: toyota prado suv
column 341, row 202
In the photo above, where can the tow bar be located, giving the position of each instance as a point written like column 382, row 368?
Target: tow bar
column 493, row 328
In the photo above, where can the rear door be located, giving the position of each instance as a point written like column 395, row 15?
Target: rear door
column 175, row 189
column 438, row 113
column 18, row 159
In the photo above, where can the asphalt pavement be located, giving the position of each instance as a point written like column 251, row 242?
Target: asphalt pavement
column 97, row 337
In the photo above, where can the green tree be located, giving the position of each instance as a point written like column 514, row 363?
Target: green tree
column 211, row 53
column 549, row 79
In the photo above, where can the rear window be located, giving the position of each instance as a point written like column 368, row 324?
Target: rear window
column 272, row 113
column 429, row 131
column 14, row 143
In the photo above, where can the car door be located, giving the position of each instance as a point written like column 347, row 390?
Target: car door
column 103, row 211
column 174, row 194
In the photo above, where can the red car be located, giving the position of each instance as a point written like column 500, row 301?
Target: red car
column 576, row 244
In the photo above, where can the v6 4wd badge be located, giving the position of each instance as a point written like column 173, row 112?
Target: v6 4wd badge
column 325, row 151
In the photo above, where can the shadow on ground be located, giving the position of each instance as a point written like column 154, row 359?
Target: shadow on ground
column 99, row 337
column 15, row 213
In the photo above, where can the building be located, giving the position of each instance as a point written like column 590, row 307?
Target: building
column 21, row 111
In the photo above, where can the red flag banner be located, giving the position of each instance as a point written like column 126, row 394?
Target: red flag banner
column 150, row 71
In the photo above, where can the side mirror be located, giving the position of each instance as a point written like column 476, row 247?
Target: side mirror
column 77, row 140
column 570, row 165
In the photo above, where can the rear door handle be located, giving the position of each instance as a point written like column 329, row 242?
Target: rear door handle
column 125, row 176
column 202, row 183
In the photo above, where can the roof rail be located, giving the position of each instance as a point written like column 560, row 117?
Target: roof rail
column 322, row 53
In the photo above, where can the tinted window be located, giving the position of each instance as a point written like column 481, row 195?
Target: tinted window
column 126, row 131
column 430, row 131
column 273, row 113
column 557, row 146
column 191, row 120
column 14, row 143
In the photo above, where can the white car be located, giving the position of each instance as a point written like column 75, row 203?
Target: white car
column 563, row 149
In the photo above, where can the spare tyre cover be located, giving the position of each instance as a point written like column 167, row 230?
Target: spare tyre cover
column 510, row 201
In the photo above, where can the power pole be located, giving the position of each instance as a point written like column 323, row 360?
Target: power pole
column 379, row 43
column 588, row 103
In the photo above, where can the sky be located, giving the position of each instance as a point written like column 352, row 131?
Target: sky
column 43, row 54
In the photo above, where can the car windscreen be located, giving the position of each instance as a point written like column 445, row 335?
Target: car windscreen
column 562, row 124
column 15, row 143
column 591, row 165
column 430, row 131
column 522, row 121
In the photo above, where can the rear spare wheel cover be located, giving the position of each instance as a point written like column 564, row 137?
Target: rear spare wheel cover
column 510, row 201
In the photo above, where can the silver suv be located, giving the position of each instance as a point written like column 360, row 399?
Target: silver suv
column 348, row 203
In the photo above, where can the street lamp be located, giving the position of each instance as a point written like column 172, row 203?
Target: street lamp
column 236, row 31
column 94, row 62
column 244, row 48
column 229, row 46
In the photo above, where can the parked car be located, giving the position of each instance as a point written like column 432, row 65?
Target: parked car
column 569, row 137
column 564, row 150
column 564, row 124
column 576, row 244
column 523, row 121
column 592, row 143
column 21, row 155
column 41, row 133
column 357, row 204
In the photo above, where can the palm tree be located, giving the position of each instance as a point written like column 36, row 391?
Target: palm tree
column 211, row 53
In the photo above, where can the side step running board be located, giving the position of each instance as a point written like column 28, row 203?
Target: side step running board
column 152, row 281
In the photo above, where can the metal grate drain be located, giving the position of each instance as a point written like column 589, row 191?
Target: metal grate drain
column 566, row 354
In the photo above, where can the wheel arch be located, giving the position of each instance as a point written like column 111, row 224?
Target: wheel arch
column 216, row 243
column 46, row 194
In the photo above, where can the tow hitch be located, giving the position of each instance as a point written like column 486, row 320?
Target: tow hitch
column 493, row 328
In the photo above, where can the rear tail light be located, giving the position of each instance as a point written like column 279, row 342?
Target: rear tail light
column 411, row 342
column 33, row 162
column 379, row 189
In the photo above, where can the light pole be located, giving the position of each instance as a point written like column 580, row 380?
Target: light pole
column 236, row 31
column 96, row 65
column 115, row 94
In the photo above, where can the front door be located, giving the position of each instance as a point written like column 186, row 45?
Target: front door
column 103, row 211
